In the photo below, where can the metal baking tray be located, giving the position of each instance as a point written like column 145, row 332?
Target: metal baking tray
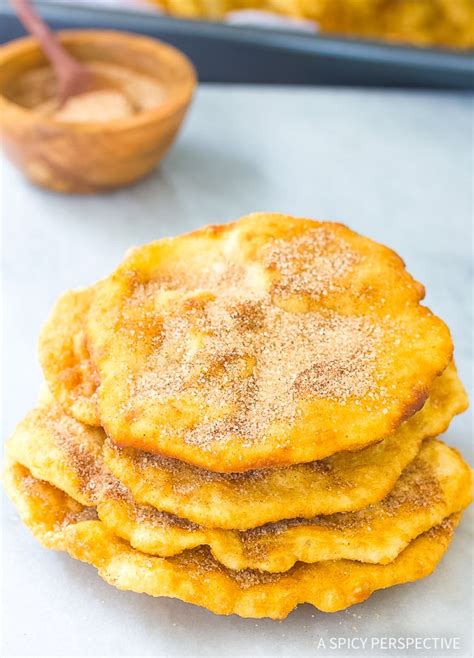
column 227, row 53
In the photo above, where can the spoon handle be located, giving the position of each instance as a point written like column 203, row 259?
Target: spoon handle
column 72, row 76
column 34, row 24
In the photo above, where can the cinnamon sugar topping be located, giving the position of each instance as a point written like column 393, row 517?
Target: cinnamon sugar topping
column 418, row 488
column 244, row 361
column 311, row 263
column 255, row 362
column 82, row 448
column 200, row 562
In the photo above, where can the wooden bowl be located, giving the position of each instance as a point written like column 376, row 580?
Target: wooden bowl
column 91, row 157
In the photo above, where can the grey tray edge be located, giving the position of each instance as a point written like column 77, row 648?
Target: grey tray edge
column 225, row 53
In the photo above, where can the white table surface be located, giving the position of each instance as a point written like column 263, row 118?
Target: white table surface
column 393, row 165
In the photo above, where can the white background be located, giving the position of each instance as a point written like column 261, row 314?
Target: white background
column 395, row 166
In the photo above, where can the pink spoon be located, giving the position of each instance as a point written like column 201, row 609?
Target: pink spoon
column 72, row 76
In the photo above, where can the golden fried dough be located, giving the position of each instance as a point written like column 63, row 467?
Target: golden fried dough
column 57, row 448
column 65, row 359
column 61, row 450
column 423, row 23
column 66, row 453
column 194, row 576
column 344, row 482
column 435, row 485
column 267, row 342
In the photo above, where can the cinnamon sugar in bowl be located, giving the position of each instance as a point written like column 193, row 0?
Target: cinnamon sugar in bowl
column 110, row 136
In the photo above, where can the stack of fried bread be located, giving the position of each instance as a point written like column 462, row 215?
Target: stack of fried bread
column 245, row 418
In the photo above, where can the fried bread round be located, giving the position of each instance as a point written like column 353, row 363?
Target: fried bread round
column 65, row 359
column 61, row 450
column 346, row 481
column 73, row 455
column 435, row 485
column 61, row 523
column 263, row 343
